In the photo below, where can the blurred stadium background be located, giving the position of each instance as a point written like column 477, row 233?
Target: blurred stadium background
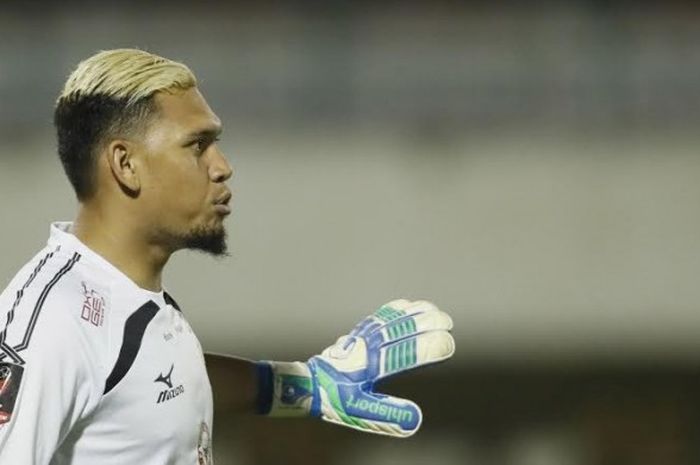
column 532, row 167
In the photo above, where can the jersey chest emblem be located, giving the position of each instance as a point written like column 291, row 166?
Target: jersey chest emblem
column 170, row 392
column 93, row 310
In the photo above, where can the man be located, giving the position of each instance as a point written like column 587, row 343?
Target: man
column 98, row 365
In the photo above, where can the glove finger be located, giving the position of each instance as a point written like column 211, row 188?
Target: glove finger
column 347, row 357
column 350, row 406
column 398, row 308
column 421, row 306
column 398, row 304
column 387, row 312
column 386, row 315
column 401, row 318
column 412, row 352
column 415, row 323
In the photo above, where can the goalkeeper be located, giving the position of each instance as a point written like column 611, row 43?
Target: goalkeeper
column 98, row 364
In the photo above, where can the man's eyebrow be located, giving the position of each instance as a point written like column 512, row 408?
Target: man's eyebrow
column 209, row 133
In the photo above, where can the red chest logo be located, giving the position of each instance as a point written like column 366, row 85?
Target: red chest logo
column 93, row 310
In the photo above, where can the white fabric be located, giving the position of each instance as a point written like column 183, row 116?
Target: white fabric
column 61, row 416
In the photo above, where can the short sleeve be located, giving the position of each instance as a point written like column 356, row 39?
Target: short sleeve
column 56, row 384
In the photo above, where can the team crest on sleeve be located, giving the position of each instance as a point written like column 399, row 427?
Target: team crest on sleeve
column 204, row 456
column 10, row 377
column 94, row 305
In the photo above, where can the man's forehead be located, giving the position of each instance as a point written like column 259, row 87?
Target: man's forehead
column 187, row 109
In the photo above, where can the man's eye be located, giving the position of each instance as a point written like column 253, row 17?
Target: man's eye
column 200, row 145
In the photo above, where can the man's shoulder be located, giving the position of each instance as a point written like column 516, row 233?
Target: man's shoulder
column 53, row 298
column 53, row 275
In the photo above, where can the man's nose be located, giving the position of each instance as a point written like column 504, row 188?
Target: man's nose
column 220, row 169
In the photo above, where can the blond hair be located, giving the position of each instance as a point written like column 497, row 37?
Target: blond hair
column 126, row 74
column 110, row 94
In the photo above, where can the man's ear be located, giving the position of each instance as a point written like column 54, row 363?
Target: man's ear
column 123, row 164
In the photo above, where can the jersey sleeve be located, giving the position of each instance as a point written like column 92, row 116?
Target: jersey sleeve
column 49, row 386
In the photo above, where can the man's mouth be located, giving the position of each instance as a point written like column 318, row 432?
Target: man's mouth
column 221, row 204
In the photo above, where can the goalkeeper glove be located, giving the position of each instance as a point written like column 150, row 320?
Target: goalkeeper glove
column 337, row 385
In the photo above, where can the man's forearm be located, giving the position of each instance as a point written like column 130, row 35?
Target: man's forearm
column 234, row 382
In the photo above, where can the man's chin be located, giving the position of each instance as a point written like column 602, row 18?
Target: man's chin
column 208, row 240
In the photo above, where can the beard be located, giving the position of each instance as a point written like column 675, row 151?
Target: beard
column 211, row 240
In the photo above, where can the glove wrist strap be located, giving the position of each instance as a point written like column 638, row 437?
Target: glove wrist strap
column 285, row 389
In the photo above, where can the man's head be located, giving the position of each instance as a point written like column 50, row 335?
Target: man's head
column 135, row 134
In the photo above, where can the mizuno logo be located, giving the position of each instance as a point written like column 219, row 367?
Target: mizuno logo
column 166, row 379
column 171, row 392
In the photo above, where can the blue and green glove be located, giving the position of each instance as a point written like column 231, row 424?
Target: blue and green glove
column 338, row 384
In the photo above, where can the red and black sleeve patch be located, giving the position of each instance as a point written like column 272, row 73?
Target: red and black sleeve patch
column 10, row 378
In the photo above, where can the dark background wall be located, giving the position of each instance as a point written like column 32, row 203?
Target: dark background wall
column 530, row 167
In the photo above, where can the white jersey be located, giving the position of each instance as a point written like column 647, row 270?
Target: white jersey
column 95, row 370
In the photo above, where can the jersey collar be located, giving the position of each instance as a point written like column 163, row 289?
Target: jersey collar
column 61, row 234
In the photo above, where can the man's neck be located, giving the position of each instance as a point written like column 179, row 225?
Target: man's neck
column 122, row 245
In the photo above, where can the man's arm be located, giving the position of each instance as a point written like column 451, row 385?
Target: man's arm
column 234, row 382
column 43, row 395
column 338, row 385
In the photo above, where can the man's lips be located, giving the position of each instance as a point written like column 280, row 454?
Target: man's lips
column 224, row 198
column 221, row 204
column 222, row 209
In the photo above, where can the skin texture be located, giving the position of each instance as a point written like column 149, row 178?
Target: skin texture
column 162, row 189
